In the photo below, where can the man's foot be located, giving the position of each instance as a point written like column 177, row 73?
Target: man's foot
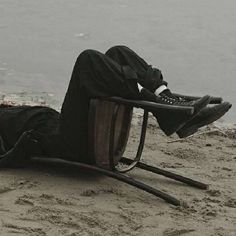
column 172, row 121
column 204, row 117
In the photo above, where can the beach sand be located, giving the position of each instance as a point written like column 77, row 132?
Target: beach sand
column 44, row 200
column 193, row 43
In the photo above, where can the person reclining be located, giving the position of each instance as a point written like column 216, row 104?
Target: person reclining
column 27, row 131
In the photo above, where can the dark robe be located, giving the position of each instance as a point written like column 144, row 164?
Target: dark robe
column 15, row 120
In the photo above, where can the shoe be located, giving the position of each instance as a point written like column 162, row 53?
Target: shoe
column 204, row 117
column 19, row 155
column 167, row 98
column 172, row 121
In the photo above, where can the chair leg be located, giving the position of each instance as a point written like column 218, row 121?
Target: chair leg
column 140, row 146
column 168, row 174
column 119, row 176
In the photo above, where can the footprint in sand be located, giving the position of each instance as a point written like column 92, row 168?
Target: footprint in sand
column 211, row 200
column 26, row 184
column 188, row 154
column 5, row 189
column 24, row 230
column 43, row 199
column 213, row 192
column 176, row 232
column 24, row 200
column 209, row 210
column 95, row 192
column 231, row 202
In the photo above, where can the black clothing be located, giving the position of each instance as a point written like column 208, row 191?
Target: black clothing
column 97, row 75
column 15, row 120
column 65, row 135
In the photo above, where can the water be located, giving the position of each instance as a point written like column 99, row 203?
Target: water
column 192, row 42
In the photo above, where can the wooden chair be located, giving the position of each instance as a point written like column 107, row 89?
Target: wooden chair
column 110, row 121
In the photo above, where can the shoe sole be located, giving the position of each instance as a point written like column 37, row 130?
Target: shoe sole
column 224, row 107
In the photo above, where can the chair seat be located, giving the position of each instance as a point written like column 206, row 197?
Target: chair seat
column 100, row 119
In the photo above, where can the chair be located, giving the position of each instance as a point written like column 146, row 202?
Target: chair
column 110, row 121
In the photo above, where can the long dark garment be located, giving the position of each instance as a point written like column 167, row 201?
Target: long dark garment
column 95, row 75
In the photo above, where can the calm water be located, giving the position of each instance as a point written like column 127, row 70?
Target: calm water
column 192, row 42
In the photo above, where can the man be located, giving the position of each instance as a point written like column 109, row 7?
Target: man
column 27, row 131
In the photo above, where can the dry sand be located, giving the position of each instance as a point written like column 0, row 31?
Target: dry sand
column 193, row 43
column 42, row 200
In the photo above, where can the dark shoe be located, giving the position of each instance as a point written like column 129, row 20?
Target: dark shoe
column 204, row 117
column 19, row 155
column 167, row 98
column 172, row 121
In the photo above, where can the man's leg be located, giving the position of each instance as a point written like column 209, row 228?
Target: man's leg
column 147, row 76
column 151, row 79
column 126, row 57
column 94, row 75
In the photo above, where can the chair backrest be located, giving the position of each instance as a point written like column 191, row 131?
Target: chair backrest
column 100, row 119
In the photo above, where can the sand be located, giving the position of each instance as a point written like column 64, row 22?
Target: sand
column 42, row 200
column 193, row 43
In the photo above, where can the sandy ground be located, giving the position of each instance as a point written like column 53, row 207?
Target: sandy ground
column 193, row 43
column 42, row 200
